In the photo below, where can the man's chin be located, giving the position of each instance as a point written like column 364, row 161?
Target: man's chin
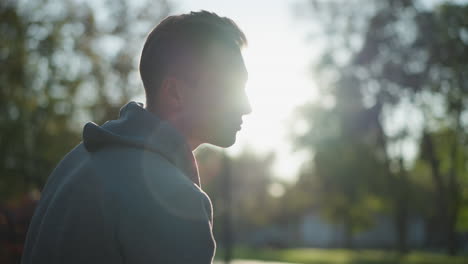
column 224, row 142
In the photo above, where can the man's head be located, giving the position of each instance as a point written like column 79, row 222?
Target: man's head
column 194, row 76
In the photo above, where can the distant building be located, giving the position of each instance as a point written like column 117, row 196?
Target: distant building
column 313, row 231
column 316, row 232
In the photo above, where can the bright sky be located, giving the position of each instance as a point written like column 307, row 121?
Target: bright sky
column 277, row 59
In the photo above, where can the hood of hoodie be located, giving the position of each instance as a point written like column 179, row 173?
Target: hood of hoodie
column 136, row 127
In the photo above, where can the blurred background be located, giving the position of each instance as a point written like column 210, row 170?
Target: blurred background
column 355, row 152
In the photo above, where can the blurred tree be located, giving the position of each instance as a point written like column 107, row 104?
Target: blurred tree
column 421, row 53
column 253, row 205
column 407, row 60
column 345, row 173
column 63, row 62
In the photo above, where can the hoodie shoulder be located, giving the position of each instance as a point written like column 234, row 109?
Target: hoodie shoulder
column 134, row 166
column 144, row 179
column 136, row 128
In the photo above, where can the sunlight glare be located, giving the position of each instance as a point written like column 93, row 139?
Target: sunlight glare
column 278, row 83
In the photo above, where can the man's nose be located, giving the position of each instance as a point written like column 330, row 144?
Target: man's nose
column 246, row 106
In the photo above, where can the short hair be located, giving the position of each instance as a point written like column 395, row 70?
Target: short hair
column 178, row 40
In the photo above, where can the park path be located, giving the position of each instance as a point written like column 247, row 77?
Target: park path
column 249, row 261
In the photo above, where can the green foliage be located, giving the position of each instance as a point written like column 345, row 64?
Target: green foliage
column 341, row 256
column 246, row 178
column 62, row 63
column 382, row 58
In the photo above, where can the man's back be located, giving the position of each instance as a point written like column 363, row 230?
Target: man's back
column 129, row 193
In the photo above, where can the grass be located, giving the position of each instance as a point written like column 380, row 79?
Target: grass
column 344, row 256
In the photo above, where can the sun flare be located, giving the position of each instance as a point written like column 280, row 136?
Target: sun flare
column 278, row 83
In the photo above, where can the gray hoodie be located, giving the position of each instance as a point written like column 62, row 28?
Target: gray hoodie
column 128, row 193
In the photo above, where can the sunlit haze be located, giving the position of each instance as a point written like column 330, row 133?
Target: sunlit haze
column 277, row 60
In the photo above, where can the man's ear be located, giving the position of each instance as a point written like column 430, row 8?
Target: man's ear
column 172, row 94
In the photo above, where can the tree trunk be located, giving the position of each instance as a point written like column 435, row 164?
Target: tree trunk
column 402, row 210
column 227, row 224
column 441, row 198
column 400, row 199
column 348, row 232
column 454, row 191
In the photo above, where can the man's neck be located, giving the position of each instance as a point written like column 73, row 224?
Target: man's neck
column 192, row 142
column 179, row 125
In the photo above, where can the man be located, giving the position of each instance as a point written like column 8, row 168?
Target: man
column 130, row 192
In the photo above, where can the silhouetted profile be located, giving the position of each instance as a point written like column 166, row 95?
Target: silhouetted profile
column 130, row 191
